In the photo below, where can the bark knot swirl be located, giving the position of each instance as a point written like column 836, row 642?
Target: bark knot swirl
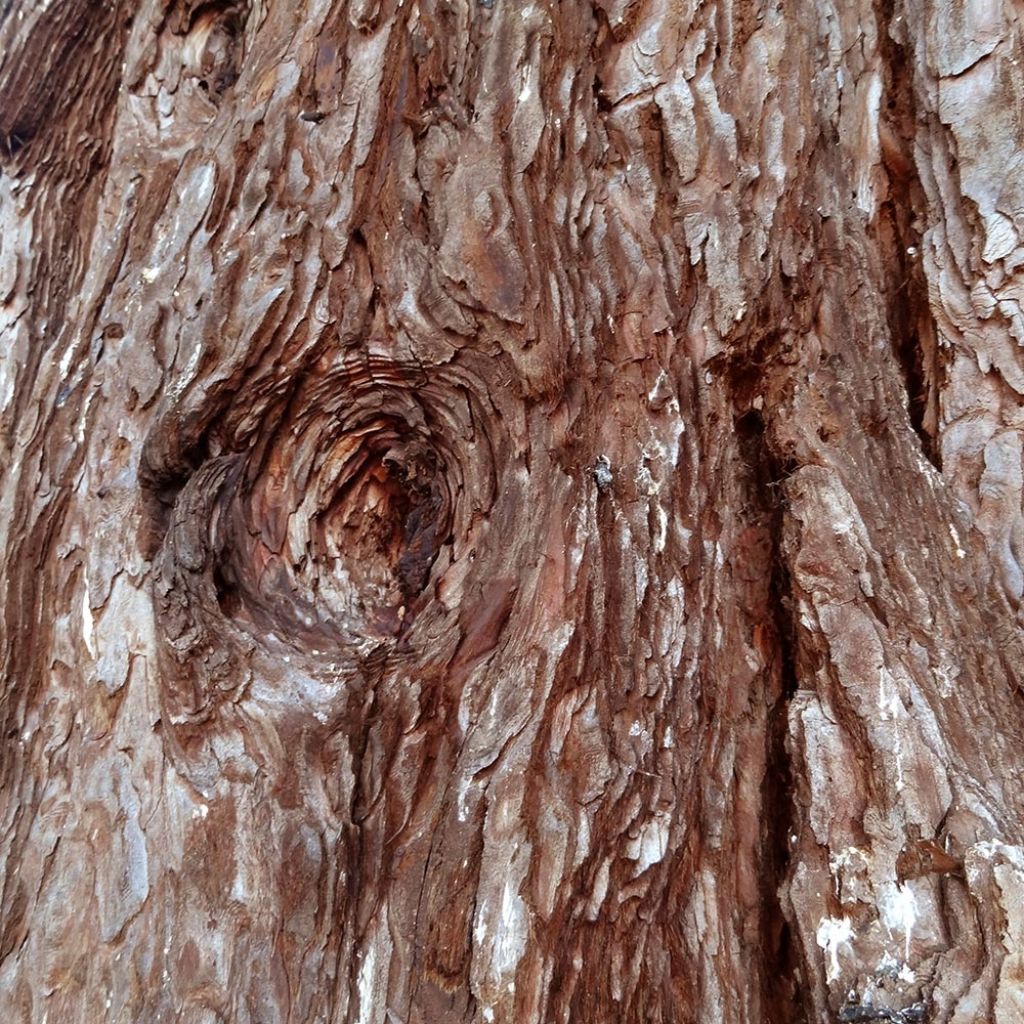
column 319, row 529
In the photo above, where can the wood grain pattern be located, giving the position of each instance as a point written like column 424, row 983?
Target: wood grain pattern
column 511, row 512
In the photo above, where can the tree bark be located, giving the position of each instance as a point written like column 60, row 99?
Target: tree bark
column 512, row 511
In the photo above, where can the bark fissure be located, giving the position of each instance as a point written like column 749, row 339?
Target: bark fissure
column 900, row 232
column 785, row 996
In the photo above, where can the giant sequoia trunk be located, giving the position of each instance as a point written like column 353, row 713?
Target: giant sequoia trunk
column 511, row 511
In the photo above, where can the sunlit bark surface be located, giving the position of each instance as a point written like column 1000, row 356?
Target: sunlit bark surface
column 511, row 511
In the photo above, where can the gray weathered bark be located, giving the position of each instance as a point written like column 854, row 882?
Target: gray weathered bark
column 511, row 511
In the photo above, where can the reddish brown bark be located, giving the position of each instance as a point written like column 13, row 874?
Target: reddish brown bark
column 512, row 512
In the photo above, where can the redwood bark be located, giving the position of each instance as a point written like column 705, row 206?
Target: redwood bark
column 511, row 511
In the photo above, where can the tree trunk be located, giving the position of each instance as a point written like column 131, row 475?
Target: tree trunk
column 511, row 511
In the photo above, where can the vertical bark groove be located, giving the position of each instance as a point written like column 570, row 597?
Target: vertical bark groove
column 900, row 233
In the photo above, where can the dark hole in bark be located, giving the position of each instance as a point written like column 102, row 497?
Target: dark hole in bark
column 213, row 41
column 227, row 592
column 386, row 521
column 158, row 495
column 911, row 326
column 14, row 141
column 750, row 425
column 164, row 470
column 230, row 13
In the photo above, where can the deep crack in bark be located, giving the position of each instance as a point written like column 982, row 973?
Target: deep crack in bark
column 899, row 230
column 785, row 999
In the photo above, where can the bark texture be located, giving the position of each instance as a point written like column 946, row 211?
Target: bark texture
column 512, row 511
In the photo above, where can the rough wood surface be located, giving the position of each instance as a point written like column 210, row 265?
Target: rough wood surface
column 511, row 511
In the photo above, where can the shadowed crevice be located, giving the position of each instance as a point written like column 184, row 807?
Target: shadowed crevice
column 898, row 231
column 782, row 998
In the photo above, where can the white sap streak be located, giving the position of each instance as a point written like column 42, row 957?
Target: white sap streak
column 186, row 376
column 88, row 622
column 372, row 980
column 960, row 553
column 838, row 864
column 464, row 784
column 833, row 932
column 367, row 969
column 80, row 432
column 890, row 707
column 512, row 931
column 899, row 911
column 524, row 92
column 65, row 360
column 651, row 845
